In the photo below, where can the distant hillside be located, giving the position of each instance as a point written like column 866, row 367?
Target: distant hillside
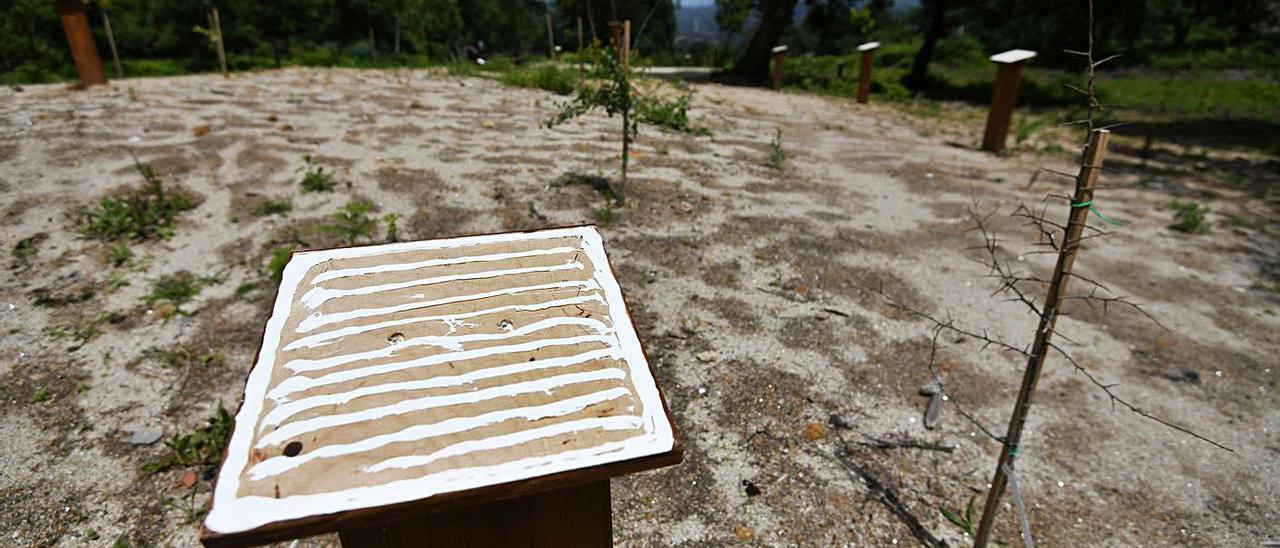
column 696, row 20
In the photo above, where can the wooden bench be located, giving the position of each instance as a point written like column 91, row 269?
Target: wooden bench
column 475, row 391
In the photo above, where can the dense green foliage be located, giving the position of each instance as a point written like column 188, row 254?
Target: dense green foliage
column 158, row 37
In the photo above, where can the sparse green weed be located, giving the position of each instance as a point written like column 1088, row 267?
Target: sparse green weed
column 201, row 448
column 119, row 254
column 272, row 206
column 393, row 231
column 777, row 155
column 673, row 115
column 146, row 213
column 279, row 258
column 964, row 522
column 314, row 177
column 1190, row 217
column 26, row 247
column 352, row 222
column 42, row 395
column 170, row 292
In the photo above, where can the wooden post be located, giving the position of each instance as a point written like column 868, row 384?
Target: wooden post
column 551, row 39
column 1004, row 98
column 215, row 24
column 1086, row 180
column 779, row 53
column 111, row 41
column 864, row 70
column 582, row 68
column 83, row 51
column 626, row 45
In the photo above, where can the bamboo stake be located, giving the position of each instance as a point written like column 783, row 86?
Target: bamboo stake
column 216, row 23
column 626, row 45
column 1086, row 180
column 111, row 42
column 582, row 68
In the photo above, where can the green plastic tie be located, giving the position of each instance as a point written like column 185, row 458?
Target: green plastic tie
column 1105, row 219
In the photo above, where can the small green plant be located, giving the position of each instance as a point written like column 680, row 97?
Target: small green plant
column 246, row 288
column 1026, row 128
column 26, row 247
column 170, row 292
column 965, row 522
column 615, row 95
column 352, row 222
column 272, row 206
column 672, row 115
column 119, row 254
column 146, row 213
column 42, row 395
column 777, row 155
column 201, row 448
column 393, row 231
column 314, row 177
column 81, row 330
column 1190, row 217
column 279, row 258
column 604, row 215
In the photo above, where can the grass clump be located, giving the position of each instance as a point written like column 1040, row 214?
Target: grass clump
column 561, row 81
column 777, row 155
column 82, row 330
column 279, row 258
column 352, row 222
column 272, row 206
column 119, row 255
column 1190, row 217
column 26, row 247
column 314, row 177
column 170, row 292
column 146, row 213
column 201, row 448
column 672, row 115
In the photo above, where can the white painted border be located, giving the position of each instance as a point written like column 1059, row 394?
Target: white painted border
column 232, row 514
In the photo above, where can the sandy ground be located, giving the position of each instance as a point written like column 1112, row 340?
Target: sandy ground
column 748, row 284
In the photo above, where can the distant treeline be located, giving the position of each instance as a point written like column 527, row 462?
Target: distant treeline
column 161, row 36
column 34, row 49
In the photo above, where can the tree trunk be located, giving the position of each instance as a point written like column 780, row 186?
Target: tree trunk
column 920, row 66
column 775, row 17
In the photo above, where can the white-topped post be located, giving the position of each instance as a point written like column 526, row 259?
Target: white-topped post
column 868, row 51
column 778, row 54
column 1004, row 97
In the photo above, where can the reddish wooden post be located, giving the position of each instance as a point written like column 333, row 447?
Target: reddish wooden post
column 779, row 53
column 80, row 39
column 1004, row 98
column 864, row 69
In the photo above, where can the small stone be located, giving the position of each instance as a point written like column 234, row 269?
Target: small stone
column 743, row 532
column 814, row 431
column 840, row 422
column 189, row 479
column 200, row 130
column 750, row 488
column 931, row 388
column 488, row 124
column 1191, row 376
column 145, row 436
column 685, row 207
column 707, row 356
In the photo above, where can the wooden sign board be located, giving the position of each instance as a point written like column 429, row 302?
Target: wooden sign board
column 412, row 373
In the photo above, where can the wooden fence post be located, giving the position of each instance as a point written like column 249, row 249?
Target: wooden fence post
column 551, row 39
column 779, row 53
column 215, row 24
column 1086, row 180
column 864, row 70
column 626, row 45
column 111, row 41
column 80, row 39
column 1004, row 97
column 582, row 68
